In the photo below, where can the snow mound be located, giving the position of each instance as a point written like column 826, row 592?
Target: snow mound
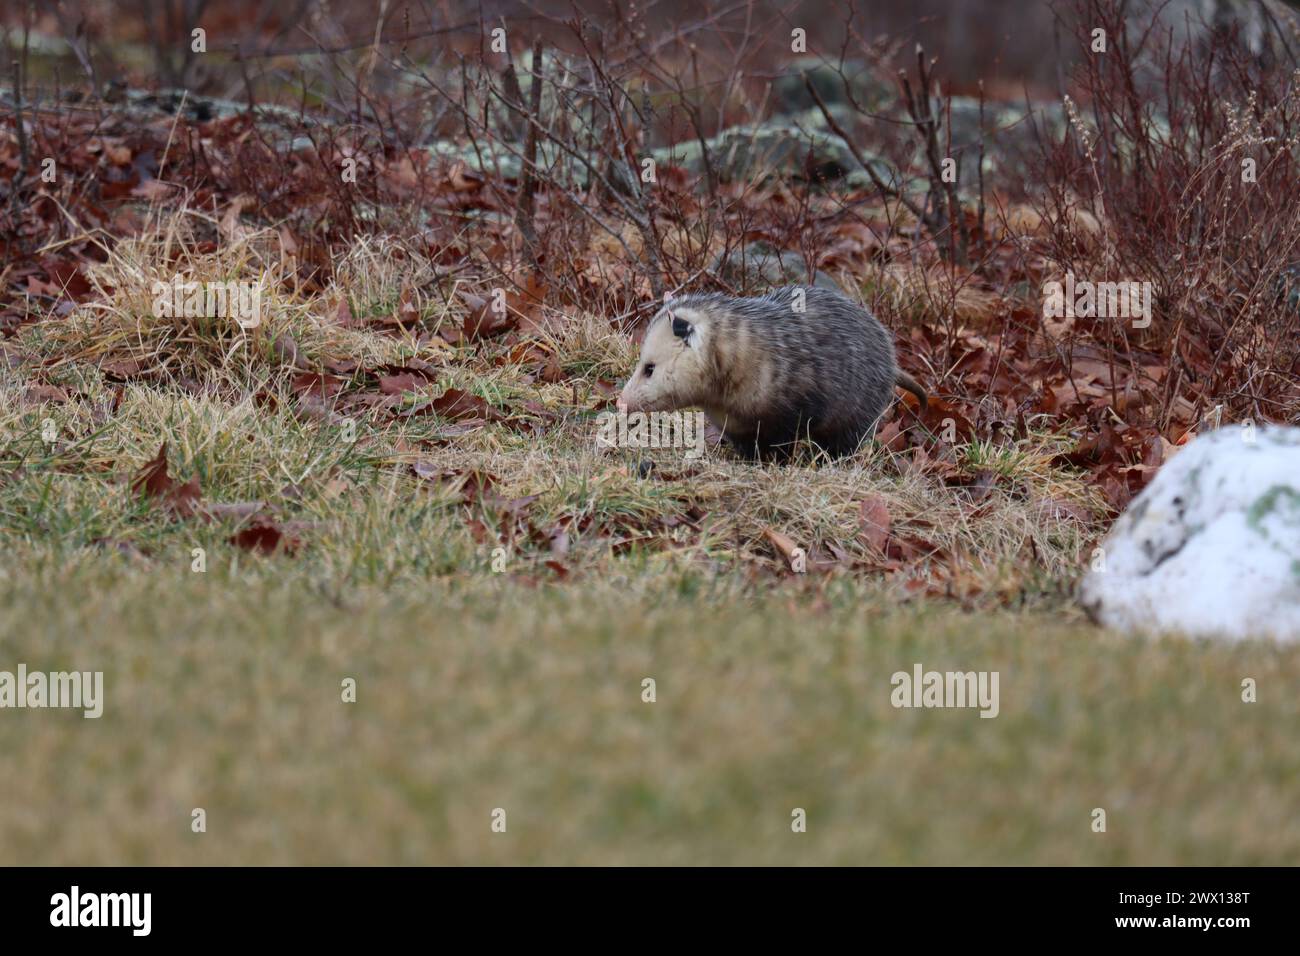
column 1211, row 548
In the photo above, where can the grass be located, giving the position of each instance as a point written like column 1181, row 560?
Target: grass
column 522, row 688
column 223, row 692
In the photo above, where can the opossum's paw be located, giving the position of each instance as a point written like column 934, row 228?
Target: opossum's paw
column 747, row 451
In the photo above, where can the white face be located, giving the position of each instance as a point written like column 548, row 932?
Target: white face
column 670, row 373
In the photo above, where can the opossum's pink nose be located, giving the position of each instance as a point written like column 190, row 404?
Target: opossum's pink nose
column 621, row 405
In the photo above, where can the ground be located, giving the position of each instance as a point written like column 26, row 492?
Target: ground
column 224, row 693
column 513, row 678
column 230, row 541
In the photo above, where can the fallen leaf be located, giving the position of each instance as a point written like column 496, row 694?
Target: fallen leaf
column 264, row 536
column 874, row 520
column 153, row 481
column 786, row 547
column 891, row 437
column 316, row 384
column 229, row 226
column 486, row 318
column 287, row 351
column 404, row 382
column 456, row 405
column 41, row 394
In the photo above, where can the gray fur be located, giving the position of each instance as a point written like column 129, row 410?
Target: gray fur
column 827, row 373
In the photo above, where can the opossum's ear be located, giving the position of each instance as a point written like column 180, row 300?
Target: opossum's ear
column 681, row 328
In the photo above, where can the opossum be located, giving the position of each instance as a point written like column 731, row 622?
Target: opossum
column 800, row 362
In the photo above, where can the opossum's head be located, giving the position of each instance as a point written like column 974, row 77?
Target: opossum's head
column 673, row 371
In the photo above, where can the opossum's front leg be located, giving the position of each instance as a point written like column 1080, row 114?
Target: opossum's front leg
column 741, row 437
column 751, row 447
column 746, row 447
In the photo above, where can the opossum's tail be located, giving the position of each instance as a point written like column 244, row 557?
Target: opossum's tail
column 908, row 384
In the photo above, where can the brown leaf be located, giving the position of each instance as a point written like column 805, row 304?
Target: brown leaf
column 1057, row 509
column 456, row 404
column 942, row 415
column 229, row 226
column 528, row 304
column 319, row 385
column 153, row 481
column 288, row 244
column 907, row 548
column 479, row 487
column 551, row 372
column 484, row 320
column 152, row 190
column 343, row 315
column 874, row 520
column 559, row 541
column 980, row 483
column 517, row 506
column 264, row 536
column 40, row 394
column 395, row 379
column 403, row 382
column 121, row 370
column 408, row 314
column 474, row 486
column 1154, row 450
column 891, row 437
column 784, row 545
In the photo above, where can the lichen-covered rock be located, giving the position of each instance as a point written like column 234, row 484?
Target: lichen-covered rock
column 1288, row 286
column 1010, row 131
column 1266, row 28
column 759, row 266
column 1211, row 548
column 799, row 148
column 837, row 84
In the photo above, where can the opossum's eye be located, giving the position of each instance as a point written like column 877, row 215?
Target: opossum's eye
column 649, row 369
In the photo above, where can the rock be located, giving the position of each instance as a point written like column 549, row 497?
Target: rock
column 872, row 91
column 489, row 158
column 1288, row 286
column 1267, row 28
column 759, row 266
column 1011, row 132
column 492, row 157
column 201, row 109
column 1211, row 548
column 790, row 148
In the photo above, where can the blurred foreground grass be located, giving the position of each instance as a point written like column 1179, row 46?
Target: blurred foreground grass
column 224, row 692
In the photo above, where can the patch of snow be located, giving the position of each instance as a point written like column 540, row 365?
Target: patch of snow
column 1211, row 548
